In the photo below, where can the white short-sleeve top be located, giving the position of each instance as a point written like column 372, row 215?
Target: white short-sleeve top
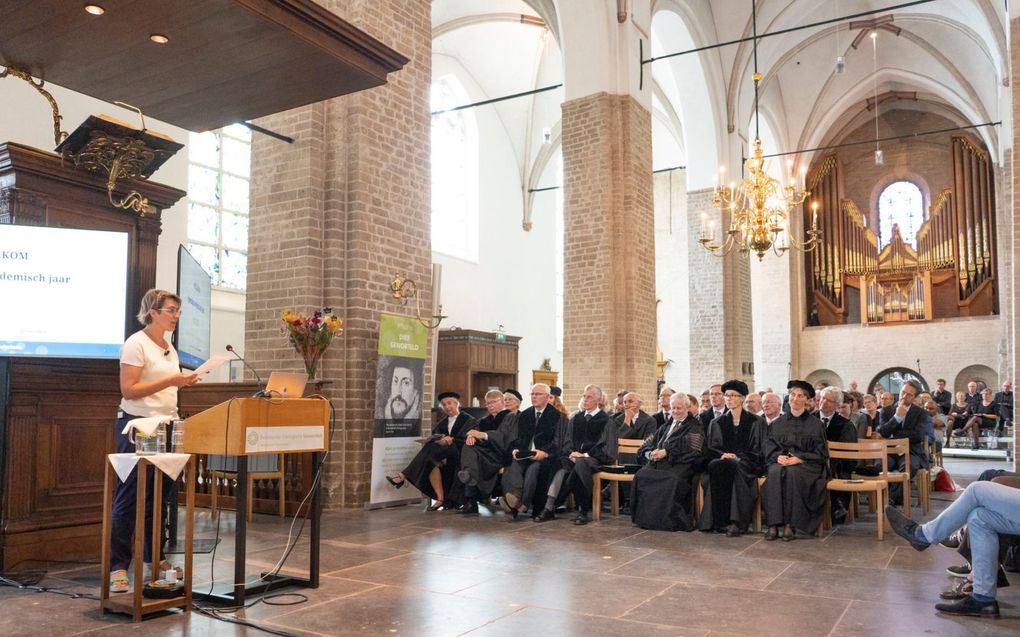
column 156, row 362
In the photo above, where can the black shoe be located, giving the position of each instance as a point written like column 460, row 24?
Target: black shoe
column 509, row 510
column 953, row 542
column 959, row 571
column 733, row 531
column 970, row 607
column 581, row 519
column 470, row 508
column 959, row 591
column 545, row 516
column 396, row 483
column 438, row 506
column 905, row 528
column 789, row 534
column 773, row 534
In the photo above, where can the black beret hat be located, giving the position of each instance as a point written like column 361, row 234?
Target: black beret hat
column 513, row 392
column 801, row 384
column 738, row 386
column 447, row 394
column 556, row 391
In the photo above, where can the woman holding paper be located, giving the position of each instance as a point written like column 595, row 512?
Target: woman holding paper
column 150, row 374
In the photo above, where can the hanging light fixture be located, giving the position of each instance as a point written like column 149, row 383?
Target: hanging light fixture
column 760, row 205
column 879, row 157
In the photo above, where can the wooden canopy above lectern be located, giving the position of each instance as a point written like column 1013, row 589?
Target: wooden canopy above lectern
column 250, row 426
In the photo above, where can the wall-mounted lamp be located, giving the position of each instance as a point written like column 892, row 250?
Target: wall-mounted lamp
column 404, row 289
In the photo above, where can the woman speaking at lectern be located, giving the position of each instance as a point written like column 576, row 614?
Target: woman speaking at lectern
column 150, row 374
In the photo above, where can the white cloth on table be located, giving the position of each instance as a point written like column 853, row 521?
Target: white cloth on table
column 172, row 464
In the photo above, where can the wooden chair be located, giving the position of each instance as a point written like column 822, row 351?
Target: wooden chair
column 215, row 475
column 627, row 446
column 860, row 450
column 894, row 447
column 923, row 483
column 757, row 505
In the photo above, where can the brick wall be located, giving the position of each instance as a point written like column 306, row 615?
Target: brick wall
column 335, row 216
column 609, row 332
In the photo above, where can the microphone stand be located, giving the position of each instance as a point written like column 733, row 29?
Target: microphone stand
column 262, row 390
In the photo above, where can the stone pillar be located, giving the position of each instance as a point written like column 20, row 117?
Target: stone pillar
column 609, row 320
column 1014, row 177
column 334, row 216
column 672, row 230
column 720, row 305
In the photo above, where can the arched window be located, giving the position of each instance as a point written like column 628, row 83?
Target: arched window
column 902, row 204
column 454, row 173
column 892, row 379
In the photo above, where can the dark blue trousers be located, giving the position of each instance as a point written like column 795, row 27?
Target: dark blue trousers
column 124, row 498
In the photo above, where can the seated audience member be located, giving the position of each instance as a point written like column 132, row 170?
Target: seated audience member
column 837, row 429
column 717, row 406
column 973, row 395
column 772, row 409
column 852, row 386
column 943, row 397
column 512, row 400
column 853, row 405
column 988, row 509
column 730, row 482
column 534, row 453
column 485, row 451
column 870, row 417
column 618, row 403
column 1004, row 399
column 662, row 415
column 435, row 467
column 959, row 413
column 590, row 443
column 752, row 404
column 938, row 420
column 633, row 423
column 985, row 415
column 660, row 495
column 705, row 403
column 796, row 455
column 907, row 421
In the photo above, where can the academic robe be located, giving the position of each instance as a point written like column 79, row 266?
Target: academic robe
column 446, row 457
column 660, row 494
column 795, row 494
column 731, row 486
column 596, row 437
column 480, row 463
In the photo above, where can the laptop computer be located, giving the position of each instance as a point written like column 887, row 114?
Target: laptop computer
column 286, row 385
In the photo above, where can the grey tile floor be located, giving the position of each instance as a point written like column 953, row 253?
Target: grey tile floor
column 401, row 571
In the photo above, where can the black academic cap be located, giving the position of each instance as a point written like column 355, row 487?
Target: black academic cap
column 556, row 391
column 802, row 384
column 513, row 392
column 447, row 394
column 738, row 386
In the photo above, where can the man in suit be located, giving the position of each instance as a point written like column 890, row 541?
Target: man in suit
column 837, row 429
column 484, row 451
column 662, row 415
column 753, row 404
column 942, row 396
column 907, row 421
column 633, row 423
column 717, row 406
column 1004, row 399
column 534, row 452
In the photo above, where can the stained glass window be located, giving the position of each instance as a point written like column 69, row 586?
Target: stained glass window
column 218, row 182
column 902, row 204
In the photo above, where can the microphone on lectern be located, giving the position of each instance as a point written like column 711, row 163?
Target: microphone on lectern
column 261, row 391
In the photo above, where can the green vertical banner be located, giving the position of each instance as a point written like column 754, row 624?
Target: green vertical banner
column 399, row 392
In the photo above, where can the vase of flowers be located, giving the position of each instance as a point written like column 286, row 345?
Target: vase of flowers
column 311, row 335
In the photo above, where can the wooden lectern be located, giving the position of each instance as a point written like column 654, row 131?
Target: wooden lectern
column 243, row 427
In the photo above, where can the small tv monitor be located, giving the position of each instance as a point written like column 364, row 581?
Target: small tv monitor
column 194, row 286
column 64, row 292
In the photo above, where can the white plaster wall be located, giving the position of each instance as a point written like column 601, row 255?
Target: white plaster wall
column 945, row 347
column 671, row 276
column 26, row 120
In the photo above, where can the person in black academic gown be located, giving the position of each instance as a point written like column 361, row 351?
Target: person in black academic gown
column 485, row 451
column 434, row 468
column 660, row 495
column 796, row 456
column 730, row 482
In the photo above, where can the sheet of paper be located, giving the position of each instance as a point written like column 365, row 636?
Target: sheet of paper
column 211, row 364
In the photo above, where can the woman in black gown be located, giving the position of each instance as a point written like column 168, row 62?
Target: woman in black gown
column 434, row 468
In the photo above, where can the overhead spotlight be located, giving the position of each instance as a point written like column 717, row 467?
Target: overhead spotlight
column 879, row 157
column 840, row 64
column 159, row 38
column 94, row 9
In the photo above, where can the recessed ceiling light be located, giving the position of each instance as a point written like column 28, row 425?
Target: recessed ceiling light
column 94, row 9
column 159, row 38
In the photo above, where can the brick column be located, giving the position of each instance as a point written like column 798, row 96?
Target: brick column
column 609, row 326
column 335, row 216
column 720, row 305
column 1014, row 178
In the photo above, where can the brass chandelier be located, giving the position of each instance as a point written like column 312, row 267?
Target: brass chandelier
column 759, row 206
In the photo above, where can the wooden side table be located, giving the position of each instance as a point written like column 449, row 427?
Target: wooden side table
column 133, row 603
